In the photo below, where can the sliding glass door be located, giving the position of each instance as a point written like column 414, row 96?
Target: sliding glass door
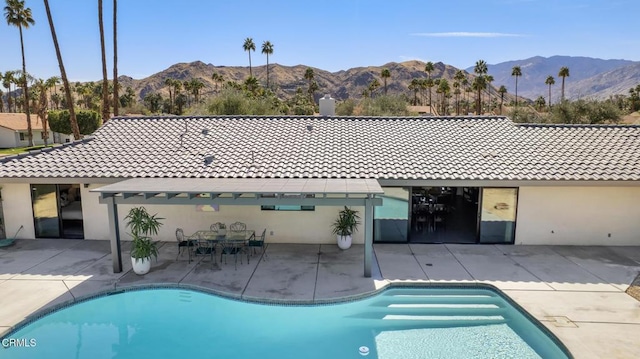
column 498, row 215
column 57, row 211
column 45, row 210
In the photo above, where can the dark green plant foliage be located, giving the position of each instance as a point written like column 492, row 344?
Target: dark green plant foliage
column 346, row 223
column 88, row 121
column 142, row 226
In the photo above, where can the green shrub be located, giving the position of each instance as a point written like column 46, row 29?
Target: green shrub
column 88, row 121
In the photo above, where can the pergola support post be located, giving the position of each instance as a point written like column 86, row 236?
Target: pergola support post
column 116, row 254
column 368, row 236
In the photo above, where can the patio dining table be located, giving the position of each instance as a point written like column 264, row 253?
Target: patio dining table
column 230, row 238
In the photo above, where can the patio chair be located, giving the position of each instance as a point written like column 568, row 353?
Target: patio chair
column 258, row 242
column 206, row 247
column 217, row 226
column 237, row 227
column 232, row 247
column 184, row 243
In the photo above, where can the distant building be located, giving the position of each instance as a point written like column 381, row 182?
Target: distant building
column 13, row 131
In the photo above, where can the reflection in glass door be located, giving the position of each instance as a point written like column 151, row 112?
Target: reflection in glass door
column 391, row 220
column 45, row 210
column 498, row 215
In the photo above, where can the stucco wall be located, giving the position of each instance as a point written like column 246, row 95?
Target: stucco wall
column 578, row 216
column 94, row 214
column 16, row 205
column 287, row 226
column 8, row 138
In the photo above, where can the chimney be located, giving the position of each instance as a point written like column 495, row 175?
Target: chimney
column 327, row 106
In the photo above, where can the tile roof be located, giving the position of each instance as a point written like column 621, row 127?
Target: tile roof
column 434, row 148
column 18, row 121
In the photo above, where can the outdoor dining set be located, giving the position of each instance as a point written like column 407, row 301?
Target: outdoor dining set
column 236, row 240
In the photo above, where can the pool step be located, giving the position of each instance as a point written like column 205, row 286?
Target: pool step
column 436, row 308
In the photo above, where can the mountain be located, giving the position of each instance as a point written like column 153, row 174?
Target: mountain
column 341, row 85
column 606, row 84
column 536, row 69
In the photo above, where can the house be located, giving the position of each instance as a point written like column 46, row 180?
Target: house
column 13, row 131
column 414, row 179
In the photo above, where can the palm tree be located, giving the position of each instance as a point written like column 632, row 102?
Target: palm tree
column 67, row 89
column 385, row 74
column 428, row 68
column 169, row 82
column 517, row 72
column 309, row 75
column 216, row 77
column 17, row 15
column 7, row 80
column 415, row 87
column 373, row 86
column 249, row 46
column 564, row 72
column 502, row 90
column 116, row 98
column 489, row 80
column 550, row 81
column 105, row 80
column 479, row 82
column 267, row 49
column 51, row 83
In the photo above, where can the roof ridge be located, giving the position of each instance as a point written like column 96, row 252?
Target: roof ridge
column 279, row 117
column 587, row 125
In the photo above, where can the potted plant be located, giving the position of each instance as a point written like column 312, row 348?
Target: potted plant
column 344, row 226
column 142, row 226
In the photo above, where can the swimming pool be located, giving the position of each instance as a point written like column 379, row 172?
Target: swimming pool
column 399, row 322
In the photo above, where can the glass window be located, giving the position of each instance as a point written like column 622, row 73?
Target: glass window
column 45, row 210
column 498, row 216
column 391, row 220
column 22, row 136
column 287, row 207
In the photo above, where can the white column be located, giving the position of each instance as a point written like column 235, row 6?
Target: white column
column 368, row 236
column 114, row 235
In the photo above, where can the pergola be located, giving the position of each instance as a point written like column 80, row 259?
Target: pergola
column 242, row 192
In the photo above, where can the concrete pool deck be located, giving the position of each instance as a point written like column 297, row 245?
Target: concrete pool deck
column 577, row 292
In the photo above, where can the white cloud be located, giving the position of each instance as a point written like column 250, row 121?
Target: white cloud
column 466, row 34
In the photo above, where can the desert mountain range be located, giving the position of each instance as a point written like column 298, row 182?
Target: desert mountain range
column 589, row 77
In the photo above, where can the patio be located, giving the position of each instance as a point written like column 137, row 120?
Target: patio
column 577, row 292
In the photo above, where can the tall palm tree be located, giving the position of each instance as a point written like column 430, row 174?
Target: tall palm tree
column 67, row 89
column 550, row 81
column 415, row 87
column 105, row 80
column 564, row 72
column 489, row 79
column 17, row 15
column 428, row 68
column 385, row 74
column 116, row 98
column 216, row 77
column 479, row 82
column 169, row 82
column 6, row 82
column 517, row 72
column 309, row 75
column 267, row 49
column 502, row 90
column 249, row 46
column 51, row 83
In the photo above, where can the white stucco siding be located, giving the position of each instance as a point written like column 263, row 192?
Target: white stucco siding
column 16, row 205
column 8, row 138
column 578, row 216
column 287, row 226
column 94, row 215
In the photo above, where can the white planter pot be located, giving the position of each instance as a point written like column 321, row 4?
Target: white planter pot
column 344, row 242
column 141, row 266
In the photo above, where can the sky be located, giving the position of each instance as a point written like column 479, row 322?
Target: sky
column 331, row 35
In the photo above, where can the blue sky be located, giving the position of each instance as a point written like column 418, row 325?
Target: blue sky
column 331, row 35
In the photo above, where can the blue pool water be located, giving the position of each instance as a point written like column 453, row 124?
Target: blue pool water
column 396, row 323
